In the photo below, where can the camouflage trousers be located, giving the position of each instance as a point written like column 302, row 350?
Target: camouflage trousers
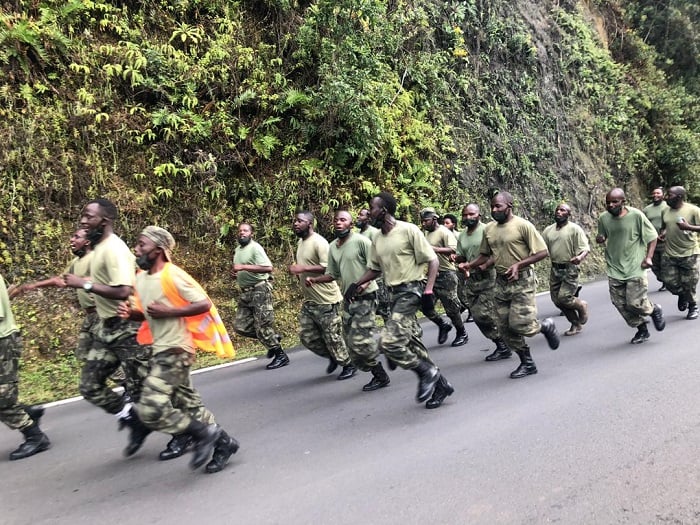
column 168, row 400
column 445, row 290
column 11, row 413
column 383, row 299
column 563, row 283
column 478, row 296
column 85, row 337
column 631, row 298
column 657, row 261
column 400, row 340
column 321, row 331
column 114, row 344
column 680, row 275
column 359, row 323
column 255, row 316
column 516, row 309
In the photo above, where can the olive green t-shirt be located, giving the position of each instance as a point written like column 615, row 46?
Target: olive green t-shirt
column 170, row 332
column 370, row 232
column 252, row 254
column 511, row 242
column 112, row 264
column 402, row 254
column 468, row 244
column 681, row 243
column 566, row 242
column 626, row 244
column 313, row 251
column 441, row 237
column 80, row 266
column 347, row 263
column 7, row 319
column 654, row 212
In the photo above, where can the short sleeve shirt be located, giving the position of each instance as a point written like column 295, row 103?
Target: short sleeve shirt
column 7, row 320
column 511, row 242
column 370, row 232
column 347, row 263
column 313, row 251
column 402, row 254
column 468, row 244
column 80, row 266
column 112, row 264
column 626, row 244
column 170, row 332
column 442, row 237
column 681, row 243
column 566, row 242
column 654, row 213
column 252, row 254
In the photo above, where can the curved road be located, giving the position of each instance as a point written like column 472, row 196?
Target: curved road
column 606, row 433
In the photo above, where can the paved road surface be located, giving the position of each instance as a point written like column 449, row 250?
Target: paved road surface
column 606, row 433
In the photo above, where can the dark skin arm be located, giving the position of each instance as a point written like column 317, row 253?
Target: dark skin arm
column 121, row 292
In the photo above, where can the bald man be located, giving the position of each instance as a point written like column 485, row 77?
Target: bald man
column 568, row 246
column 630, row 240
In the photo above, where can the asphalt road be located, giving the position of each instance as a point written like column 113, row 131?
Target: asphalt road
column 606, row 433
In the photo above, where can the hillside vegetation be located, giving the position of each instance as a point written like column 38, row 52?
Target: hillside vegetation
column 197, row 114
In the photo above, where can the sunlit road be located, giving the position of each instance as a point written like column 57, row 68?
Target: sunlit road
column 607, row 432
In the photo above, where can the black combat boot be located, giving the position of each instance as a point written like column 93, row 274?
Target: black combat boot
column 205, row 437
column 35, row 441
column 380, row 379
column 549, row 330
column 657, row 317
column 501, row 352
column 527, row 365
column 641, row 336
column 692, row 311
column 225, row 447
column 442, row 389
column 428, row 376
column 137, row 432
column 176, row 447
column 347, row 372
column 281, row 359
column 461, row 338
column 443, row 329
column 34, row 412
column 332, row 365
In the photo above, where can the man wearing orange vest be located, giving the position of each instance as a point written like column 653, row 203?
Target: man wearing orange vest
column 180, row 317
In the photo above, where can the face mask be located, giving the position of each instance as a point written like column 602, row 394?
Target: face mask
column 80, row 253
column 144, row 262
column 615, row 211
column 360, row 224
column 243, row 241
column 560, row 219
column 94, row 235
column 499, row 216
column 469, row 223
column 673, row 201
column 341, row 234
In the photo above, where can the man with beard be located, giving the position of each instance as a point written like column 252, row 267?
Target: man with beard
column 172, row 302
column 369, row 231
column 320, row 322
column 401, row 253
column 629, row 240
column 654, row 212
column 347, row 262
column 515, row 245
column 110, row 282
column 255, row 315
column 679, row 264
column 479, row 281
column 444, row 244
column 568, row 246
column 14, row 415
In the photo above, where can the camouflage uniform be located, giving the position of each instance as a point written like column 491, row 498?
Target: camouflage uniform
column 11, row 413
column 321, row 331
column 359, row 324
column 85, row 336
column 631, row 298
column 255, row 316
column 654, row 213
column 679, row 267
column 516, row 309
column 445, row 290
column 478, row 296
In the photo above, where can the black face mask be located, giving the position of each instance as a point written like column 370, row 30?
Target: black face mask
column 144, row 262
column 673, row 201
column 560, row 219
column 341, row 234
column 94, row 235
column 499, row 216
column 80, row 253
column 244, row 241
column 615, row 211
column 361, row 224
column 469, row 223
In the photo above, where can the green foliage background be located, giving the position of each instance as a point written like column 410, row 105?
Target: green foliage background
column 197, row 114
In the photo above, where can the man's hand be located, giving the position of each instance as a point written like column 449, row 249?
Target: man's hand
column 351, row 292
column 309, row 282
column 646, row 263
column 124, row 310
column 159, row 310
column 427, row 303
column 296, row 269
column 513, row 272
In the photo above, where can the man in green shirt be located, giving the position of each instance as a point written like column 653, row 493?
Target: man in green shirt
column 401, row 253
column 347, row 262
column 479, row 281
column 653, row 212
column 515, row 244
column 629, row 240
column 255, row 314
column 568, row 246
column 320, row 322
column 14, row 415
column 679, row 264
column 369, row 231
column 444, row 244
